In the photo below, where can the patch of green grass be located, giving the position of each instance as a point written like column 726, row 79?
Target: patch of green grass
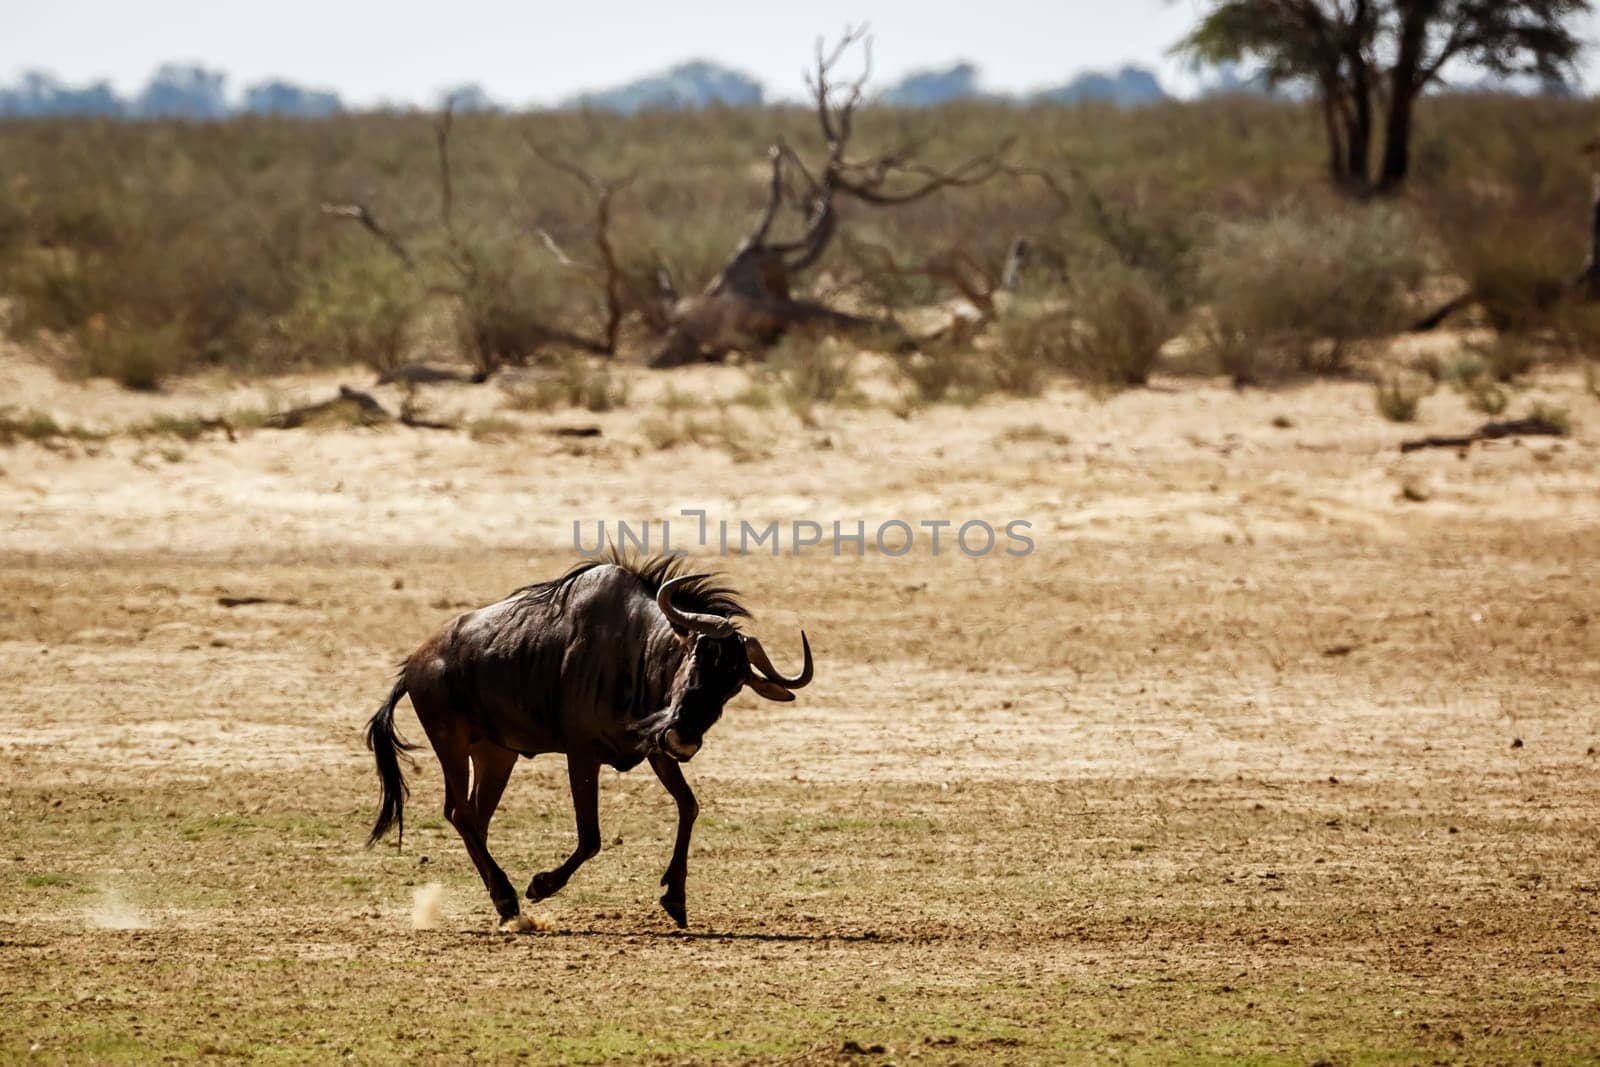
column 47, row 880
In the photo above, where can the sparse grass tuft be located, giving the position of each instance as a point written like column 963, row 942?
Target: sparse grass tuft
column 1484, row 396
column 1508, row 357
column 578, row 383
column 1397, row 403
column 1033, row 433
column 37, row 426
column 493, row 428
column 809, row 370
column 183, row 427
column 742, row 442
column 1558, row 418
column 943, row 372
column 139, row 358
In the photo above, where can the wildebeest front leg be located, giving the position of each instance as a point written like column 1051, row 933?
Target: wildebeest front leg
column 671, row 776
column 584, row 777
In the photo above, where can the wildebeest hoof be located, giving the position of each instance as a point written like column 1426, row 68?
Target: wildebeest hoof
column 524, row 924
column 543, row 885
column 674, row 907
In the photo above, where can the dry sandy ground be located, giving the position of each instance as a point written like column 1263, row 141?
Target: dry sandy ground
column 1253, row 757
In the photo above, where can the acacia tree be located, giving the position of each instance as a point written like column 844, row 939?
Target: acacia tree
column 1363, row 57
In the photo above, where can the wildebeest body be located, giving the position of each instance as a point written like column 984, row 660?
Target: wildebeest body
column 552, row 671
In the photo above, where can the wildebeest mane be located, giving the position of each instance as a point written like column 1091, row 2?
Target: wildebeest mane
column 702, row 593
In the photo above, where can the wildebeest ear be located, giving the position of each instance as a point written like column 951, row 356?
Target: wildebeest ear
column 770, row 690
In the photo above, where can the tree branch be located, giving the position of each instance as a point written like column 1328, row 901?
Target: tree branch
column 359, row 213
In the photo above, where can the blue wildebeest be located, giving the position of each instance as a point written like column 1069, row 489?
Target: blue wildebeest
column 613, row 663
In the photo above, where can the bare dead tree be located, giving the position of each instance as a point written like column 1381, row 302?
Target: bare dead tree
column 497, row 327
column 608, row 272
column 750, row 304
column 974, row 281
column 359, row 213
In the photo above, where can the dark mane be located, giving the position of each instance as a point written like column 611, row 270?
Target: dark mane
column 702, row 593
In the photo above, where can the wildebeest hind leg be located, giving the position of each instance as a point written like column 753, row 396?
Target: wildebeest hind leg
column 584, row 777
column 671, row 776
column 451, row 746
column 491, row 770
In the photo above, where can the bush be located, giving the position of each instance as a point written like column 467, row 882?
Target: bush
column 1513, row 244
column 1107, row 328
column 1120, row 324
column 941, row 371
column 1291, row 293
column 359, row 309
column 136, row 355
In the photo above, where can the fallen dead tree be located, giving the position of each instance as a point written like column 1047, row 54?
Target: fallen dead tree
column 351, row 406
column 428, row 374
column 750, row 303
column 1533, row 426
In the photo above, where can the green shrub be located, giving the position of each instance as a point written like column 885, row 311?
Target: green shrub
column 1291, row 293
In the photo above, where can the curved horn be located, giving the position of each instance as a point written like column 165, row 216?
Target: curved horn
column 759, row 659
column 693, row 621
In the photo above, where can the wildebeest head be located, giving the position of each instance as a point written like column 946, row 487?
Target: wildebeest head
column 720, row 661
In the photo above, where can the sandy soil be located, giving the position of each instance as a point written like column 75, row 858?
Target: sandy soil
column 1280, row 744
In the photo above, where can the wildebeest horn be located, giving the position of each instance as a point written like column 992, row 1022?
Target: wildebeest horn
column 693, row 621
column 759, row 659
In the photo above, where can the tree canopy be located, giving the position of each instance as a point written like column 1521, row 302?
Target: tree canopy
column 1365, row 56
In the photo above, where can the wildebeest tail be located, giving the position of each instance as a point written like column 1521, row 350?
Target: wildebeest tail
column 387, row 747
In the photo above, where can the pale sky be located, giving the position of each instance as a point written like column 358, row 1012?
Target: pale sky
column 537, row 52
